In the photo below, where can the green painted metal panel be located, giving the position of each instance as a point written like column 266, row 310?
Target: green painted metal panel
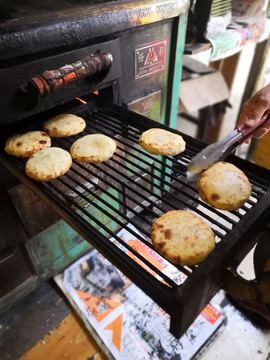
column 54, row 248
column 180, row 43
column 172, row 103
column 103, row 208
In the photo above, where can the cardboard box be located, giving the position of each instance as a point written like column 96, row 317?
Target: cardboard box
column 200, row 86
column 261, row 153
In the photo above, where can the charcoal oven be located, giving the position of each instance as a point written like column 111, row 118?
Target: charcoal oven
column 112, row 64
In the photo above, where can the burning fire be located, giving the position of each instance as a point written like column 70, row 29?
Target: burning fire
column 85, row 102
column 81, row 100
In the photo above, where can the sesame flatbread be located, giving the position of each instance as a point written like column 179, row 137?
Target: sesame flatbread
column 93, row 148
column 182, row 237
column 224, row 186
column 64, row 125
column 48, row 164
column 24, row 145
column 162, row 142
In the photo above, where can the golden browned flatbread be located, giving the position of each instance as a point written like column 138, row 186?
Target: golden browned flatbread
column 162, row 142
column 224, row 186
column 182, row 237
column 27, row 144
column 93, row 148
column 48, row 164
column 64, row 125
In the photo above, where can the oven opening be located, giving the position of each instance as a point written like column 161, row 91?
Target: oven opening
column 34, row 122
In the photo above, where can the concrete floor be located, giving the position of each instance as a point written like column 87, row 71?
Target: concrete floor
column 29, row 320
column 245, row 336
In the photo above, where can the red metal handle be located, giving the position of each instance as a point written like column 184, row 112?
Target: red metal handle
column 246, row 130
column 50, row 80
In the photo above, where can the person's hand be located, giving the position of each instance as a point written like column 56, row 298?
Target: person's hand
column 253, row 110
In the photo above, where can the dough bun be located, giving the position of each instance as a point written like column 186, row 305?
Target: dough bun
column 48, row 164
column 24, row 145
column 224, row 186
column 93, row 148
column 64, row 125
column 182, row 237
column 162, row 142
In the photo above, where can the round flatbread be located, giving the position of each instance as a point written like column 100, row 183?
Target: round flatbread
column 162, row 142
column 93, row 148
column 64, row 125
column 48, row 164
column 224, row 186
column 182, row 238
column 27, row 144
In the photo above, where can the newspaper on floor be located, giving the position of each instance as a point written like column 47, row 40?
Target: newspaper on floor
column 127, row 321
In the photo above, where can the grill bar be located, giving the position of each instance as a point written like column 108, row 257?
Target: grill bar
column 111, row 233
column 161, row 198
column 188, row 153
column 171, row 168
column 135, row 188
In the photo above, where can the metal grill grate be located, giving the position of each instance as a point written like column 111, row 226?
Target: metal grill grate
column 134, row 187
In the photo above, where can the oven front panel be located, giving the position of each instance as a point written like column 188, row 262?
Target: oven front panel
column 17, row 103
column 141, row 75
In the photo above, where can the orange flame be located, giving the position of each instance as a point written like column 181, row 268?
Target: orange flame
column 85, row 102
column 81, row 100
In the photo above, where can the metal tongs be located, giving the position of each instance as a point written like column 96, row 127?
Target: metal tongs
column 219, row 150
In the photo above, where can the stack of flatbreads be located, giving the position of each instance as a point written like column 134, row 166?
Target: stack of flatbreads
column 46, row 163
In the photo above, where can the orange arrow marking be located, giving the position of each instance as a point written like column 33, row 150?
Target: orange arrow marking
column 116, row 327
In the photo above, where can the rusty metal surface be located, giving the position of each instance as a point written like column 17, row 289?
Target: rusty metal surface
column 72, row 27
column 12, row 231
column 55, row 248
column 19, row 9
column 35, row 215
column 91, row 65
